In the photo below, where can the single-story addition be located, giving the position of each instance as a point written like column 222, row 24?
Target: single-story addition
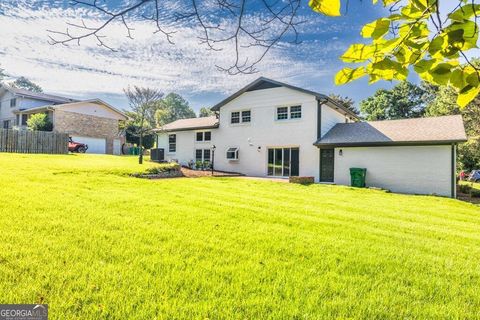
column 273, row 129
column 93, row 122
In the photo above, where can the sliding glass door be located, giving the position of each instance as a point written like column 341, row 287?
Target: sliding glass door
column 283, row 162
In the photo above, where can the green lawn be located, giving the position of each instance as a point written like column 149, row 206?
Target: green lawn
column 79, row 234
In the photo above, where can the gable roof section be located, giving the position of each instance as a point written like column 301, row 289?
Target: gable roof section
column 265, row 83
column 436, row 130
column 59, row 106
column 38, row 96
column 191, row 124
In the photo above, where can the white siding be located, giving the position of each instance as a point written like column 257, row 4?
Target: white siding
column 265, row 131
column 404, row 169
column 5, row 110
column 185, row 146
column 330, row 118
column 92, row 109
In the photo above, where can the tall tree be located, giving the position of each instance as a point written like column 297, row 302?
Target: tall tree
column 143, row 102
column 171, row 108
column 345, row 101
column 24, row 83
column 205, row 112
column 444, row 103
column 412, row 35
column 405, row 100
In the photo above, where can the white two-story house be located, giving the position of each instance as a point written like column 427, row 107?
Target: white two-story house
column 272, row 129
column 93, row 122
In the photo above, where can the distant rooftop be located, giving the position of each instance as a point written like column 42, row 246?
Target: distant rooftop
column 191, row 124
column 446, row 129
column 40, row 96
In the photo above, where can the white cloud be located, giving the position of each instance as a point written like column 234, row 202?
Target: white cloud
column 148, row 60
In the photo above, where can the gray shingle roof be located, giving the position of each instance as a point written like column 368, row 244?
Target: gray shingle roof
column 263, row 83
column 35, row 95
column 436, row 130
column 191, row 124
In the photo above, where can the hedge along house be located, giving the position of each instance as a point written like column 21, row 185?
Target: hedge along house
column 272, row 129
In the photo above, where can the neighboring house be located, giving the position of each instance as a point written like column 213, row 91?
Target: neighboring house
column 270, row 128
column 93, row 122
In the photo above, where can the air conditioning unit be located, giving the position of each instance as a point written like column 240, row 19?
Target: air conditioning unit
column 157, row 155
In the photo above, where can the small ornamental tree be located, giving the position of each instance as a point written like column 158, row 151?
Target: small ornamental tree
column 39, row 122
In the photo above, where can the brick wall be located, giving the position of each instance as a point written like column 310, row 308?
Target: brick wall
column 88, row 126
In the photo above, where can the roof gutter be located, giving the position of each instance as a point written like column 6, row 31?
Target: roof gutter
column 387, row 143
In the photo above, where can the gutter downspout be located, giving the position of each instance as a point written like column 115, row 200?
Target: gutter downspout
column 319, row 133
column 454, row 169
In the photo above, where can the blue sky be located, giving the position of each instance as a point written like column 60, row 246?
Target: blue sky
column 88, row 71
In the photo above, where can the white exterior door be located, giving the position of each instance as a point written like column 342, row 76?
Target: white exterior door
column 95, row 145
column 117, row 147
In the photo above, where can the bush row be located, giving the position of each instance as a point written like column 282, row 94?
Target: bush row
column 467, row 189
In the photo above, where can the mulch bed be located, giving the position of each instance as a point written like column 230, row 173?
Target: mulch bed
column 466, row 197
column 189, row 173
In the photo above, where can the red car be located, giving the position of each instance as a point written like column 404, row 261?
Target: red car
column 76, row 146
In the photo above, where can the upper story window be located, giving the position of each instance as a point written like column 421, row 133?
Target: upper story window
column 235, row 117
column 292, row 112
column 295, row 112
column 204, row 136
column 172, row 143
column 244, row 116
column 282, row 113
column 13, row 103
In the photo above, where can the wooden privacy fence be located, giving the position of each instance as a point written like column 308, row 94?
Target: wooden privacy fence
column 25, row 141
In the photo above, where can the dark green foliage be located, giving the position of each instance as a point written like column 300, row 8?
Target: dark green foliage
column 133, row 136
column 345, row 101
column 206, row 112
column 405, row 100
column 171, row 108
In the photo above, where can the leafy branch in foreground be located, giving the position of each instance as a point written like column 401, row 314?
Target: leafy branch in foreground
column 417, row 34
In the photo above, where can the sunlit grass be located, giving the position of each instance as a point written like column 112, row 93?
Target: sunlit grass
column 78, row 233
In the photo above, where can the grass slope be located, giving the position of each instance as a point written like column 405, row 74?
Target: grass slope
column 78, row 234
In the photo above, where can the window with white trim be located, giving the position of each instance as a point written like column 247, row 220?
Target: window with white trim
column 282, row 113
column 232, row 153
column 244, row 116
column 202, row 155
column 295, row 112
column 292, row 112
column 13, row 103
column 203, row 136
column 172, row 143
column 235, row 117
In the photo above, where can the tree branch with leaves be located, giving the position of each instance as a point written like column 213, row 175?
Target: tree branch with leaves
column 415, row 34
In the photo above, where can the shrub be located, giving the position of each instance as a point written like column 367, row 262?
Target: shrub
column 302, row 180
column 39, row 122
column 464, row 188
column 474, row 193
column 169, row 167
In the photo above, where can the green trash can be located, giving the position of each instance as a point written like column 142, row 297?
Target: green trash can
column 357, row 176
